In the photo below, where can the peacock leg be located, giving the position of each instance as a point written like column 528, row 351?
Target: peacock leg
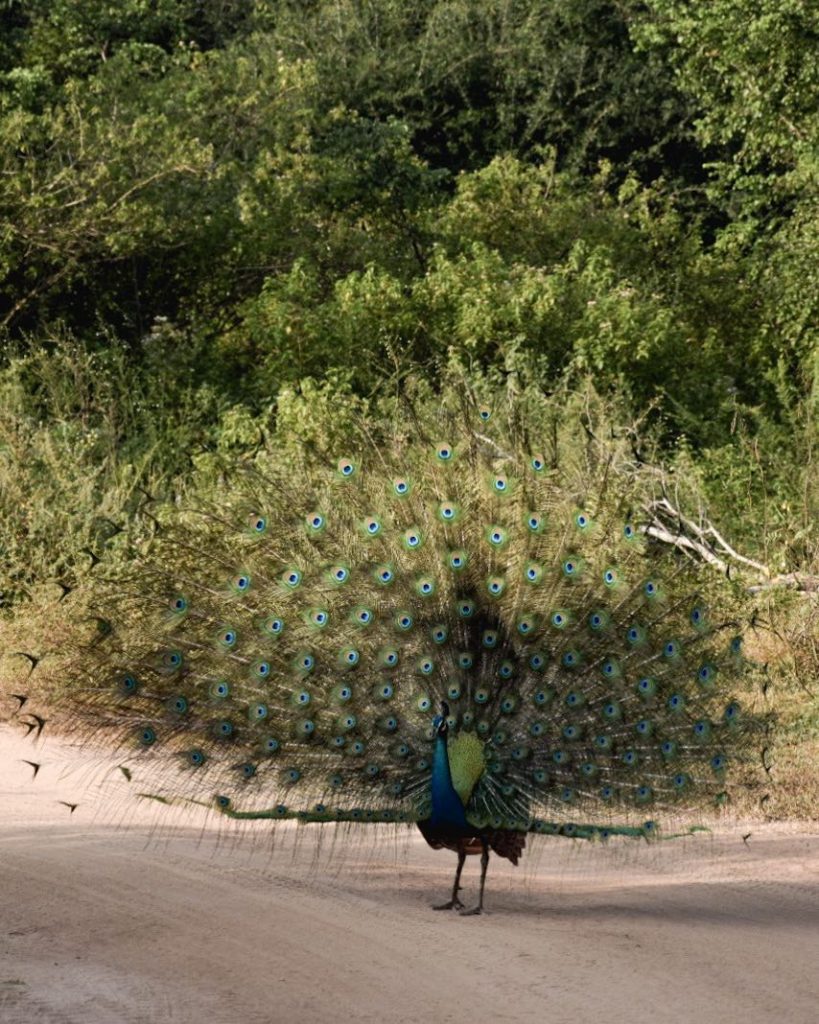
column 454, row 903
column 484, row 866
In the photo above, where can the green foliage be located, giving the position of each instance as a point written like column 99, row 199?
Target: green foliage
column 219, row 219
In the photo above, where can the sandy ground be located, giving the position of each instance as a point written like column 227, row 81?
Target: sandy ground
column 126, row 912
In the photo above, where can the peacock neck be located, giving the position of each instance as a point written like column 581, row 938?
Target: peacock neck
column 447, row 808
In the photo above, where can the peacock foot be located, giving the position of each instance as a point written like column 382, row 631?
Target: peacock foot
column 472, row 912
column 450, row 905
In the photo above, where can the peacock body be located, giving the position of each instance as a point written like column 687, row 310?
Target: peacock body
column 452, row 625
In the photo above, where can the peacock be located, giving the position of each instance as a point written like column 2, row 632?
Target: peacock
column 459, row 621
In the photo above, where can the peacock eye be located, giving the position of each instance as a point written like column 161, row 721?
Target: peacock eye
column 129, row 684
column 485, row 413
column 401, row 486
column 315, row 521
column 346, row 468
column 257, row 523
column 538, row 463
column 444, row 452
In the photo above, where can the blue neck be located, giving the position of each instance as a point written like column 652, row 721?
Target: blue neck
column 447, row 808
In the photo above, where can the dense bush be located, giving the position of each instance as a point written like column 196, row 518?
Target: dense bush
column 218, row 217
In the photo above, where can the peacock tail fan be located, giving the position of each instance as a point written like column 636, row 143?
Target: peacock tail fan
column 280, row 651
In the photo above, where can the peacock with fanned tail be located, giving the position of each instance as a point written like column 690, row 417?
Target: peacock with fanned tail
column 447, row 627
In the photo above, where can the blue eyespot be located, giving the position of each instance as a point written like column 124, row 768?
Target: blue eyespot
column 129, row 684
column 412, row 539
column 389, row 657
column 497, row 536
column 257, row 523
column 444, row 452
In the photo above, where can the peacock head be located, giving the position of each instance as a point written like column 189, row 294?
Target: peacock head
column 439, row 722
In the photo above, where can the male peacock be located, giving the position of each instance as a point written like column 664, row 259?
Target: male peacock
column 453, row 625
